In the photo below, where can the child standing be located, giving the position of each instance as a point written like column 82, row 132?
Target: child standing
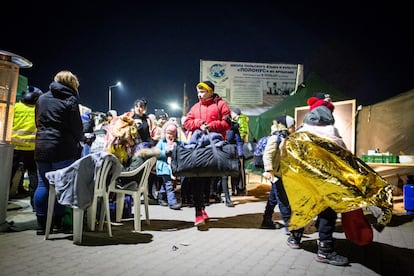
column 166, row 144
column 281, row 128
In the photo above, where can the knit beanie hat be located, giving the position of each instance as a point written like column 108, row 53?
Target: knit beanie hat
column 171, row 128
column 286, row 120
column 319, row 117
column 314, row 102
column 207, row 85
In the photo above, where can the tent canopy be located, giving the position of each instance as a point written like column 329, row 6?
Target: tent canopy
column 259, row 126
column 387, row 125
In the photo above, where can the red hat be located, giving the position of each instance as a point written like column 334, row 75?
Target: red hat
column 314, row 102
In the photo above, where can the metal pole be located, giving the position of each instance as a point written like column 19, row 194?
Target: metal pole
column 185, row 101
column 109, row 98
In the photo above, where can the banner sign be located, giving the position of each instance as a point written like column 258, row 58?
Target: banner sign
column 247, row 83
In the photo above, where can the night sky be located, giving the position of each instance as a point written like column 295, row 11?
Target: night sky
column 154, row 49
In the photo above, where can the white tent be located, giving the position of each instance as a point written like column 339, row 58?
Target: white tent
column 387, row 125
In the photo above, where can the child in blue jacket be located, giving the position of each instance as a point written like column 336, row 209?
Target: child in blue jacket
column 166, row 144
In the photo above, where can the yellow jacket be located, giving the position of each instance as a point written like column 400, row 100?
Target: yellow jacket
column 24, row 127
column 243, row 122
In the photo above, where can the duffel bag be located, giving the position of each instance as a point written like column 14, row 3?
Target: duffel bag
column 204, row 161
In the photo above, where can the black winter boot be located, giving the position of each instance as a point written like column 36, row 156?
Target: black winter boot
column 267, row 222
column 326, row 254
column 57, row 225
column 41, row 225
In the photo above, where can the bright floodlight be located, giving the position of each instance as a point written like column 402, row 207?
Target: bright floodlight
column 115, row 85
column 174, row 106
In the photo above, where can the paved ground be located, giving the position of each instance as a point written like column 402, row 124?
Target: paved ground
column 231, row 244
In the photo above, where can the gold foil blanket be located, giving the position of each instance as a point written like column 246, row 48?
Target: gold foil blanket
column 318, row 174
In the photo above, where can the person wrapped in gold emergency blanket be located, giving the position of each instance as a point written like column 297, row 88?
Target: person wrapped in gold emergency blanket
column 322, row 178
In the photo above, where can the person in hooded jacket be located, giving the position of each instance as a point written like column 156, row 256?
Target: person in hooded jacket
column 241, row 127
column 211, row 113
column 281, row 128
column 163, row 166
column 23, row 139
column 59, row 132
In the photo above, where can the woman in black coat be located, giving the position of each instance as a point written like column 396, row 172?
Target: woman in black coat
column 59, row 131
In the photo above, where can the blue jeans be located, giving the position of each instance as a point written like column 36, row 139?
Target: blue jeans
column 167, row 187
column 278, row 196
column 41, row 195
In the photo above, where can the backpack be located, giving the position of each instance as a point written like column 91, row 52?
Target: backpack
column 261, row 145
column 248, row 150
column 258, row 152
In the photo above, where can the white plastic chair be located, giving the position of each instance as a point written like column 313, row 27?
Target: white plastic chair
column 136, row 193
column 100, row 191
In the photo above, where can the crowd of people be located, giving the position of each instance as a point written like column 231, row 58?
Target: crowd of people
column 49, row 133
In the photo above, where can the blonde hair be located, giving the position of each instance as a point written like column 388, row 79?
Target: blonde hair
column 67, row 78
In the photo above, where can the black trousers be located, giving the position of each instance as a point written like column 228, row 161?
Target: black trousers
column 26, row 158
column 326, row 224
column 198, row 187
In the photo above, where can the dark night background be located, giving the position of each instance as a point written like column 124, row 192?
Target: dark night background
column 154, row 48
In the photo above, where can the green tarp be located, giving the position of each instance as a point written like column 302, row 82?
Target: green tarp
column 259, row 126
